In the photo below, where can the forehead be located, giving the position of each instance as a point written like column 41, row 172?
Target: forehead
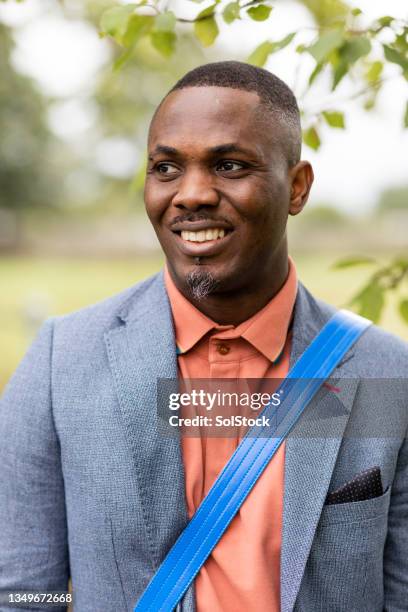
column 209, row 116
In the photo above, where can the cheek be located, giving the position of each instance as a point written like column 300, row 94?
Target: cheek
column 260, row 199
column 155, row 200
column 264, row 216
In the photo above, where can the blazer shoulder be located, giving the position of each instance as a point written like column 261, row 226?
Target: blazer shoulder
column 380, row 353
column 385, row 354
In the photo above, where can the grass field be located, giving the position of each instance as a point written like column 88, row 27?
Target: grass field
column 32, row 289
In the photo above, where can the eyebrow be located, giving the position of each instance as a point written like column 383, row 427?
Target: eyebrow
column 230, row 147
column 163, row 149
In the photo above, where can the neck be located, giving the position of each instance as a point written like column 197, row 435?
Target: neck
column 234, row 307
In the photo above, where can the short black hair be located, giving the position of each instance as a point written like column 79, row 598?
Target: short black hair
column 272, row 91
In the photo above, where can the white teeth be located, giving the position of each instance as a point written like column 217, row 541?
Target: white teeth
column 203, row 235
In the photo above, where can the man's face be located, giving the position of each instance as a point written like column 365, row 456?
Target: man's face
column 218, row 185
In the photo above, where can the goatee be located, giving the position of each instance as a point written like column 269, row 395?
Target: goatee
column 201, row 283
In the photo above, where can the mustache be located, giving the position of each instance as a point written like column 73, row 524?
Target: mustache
column 197, row 217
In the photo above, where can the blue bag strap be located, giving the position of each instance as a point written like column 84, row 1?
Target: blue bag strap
column 239, row 475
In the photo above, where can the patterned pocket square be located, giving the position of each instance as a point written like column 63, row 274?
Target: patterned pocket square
column 365, row 485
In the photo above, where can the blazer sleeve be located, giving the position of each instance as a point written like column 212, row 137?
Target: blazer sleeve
column 33, row 530
column 396, row 546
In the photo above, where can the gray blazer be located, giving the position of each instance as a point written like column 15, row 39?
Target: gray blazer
column 88, row 489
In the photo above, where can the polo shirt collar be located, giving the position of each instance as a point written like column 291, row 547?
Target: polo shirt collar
column 266, row 330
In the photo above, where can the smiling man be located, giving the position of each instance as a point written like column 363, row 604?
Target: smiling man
column 90, row 489
column 223, row 175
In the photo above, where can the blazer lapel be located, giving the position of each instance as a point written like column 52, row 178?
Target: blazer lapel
column 311, row 451
column 142, row 350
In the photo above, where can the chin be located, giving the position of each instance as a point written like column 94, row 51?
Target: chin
column 201, row 282
column 202, row 270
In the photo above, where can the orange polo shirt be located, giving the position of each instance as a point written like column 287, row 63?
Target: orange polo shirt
column 243, row 572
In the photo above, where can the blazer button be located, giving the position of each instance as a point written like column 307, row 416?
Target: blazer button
column 223, row 349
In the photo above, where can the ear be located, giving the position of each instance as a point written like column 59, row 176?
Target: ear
column 301, row 177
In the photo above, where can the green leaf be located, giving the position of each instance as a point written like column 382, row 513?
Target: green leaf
column 370, row 302
column 395, row 57
column 260, row 12
column 162, row 35
column 114, row 21
column 311, row 138
column 325, row 44
column 138, row 26
column 284, row 42
column 207, row 12
column 338, row 73
column 165, row 22
column 260, row 55
column 353, row 49
column 122, row 59
column 164, row 42
column 335, row 119
column 374, row 72
column 356, row 12
column 406, row 116
column 349, row 52
column 316, row 72
column 403, row 309
column 385, row 21
column 206, row 31
column 371, row 100
column 231, row 12
column 349, row 262
column 401, row 41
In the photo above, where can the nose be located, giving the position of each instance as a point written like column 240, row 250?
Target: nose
column 196, row 190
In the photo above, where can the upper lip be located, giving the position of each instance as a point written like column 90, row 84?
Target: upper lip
column 196, row 226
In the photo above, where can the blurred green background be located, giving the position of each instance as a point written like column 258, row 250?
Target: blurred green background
column 33, row 288
column 72, row 136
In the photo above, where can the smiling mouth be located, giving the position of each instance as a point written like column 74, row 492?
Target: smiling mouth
column 207, row 235
column 206, row 242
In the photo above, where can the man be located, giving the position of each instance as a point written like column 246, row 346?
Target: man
column 90, row 489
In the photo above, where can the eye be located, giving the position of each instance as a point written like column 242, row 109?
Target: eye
column 166, row 169
column 229, row 166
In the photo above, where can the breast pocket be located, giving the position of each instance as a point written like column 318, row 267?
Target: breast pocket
column 356, row 511
column 345, row 566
